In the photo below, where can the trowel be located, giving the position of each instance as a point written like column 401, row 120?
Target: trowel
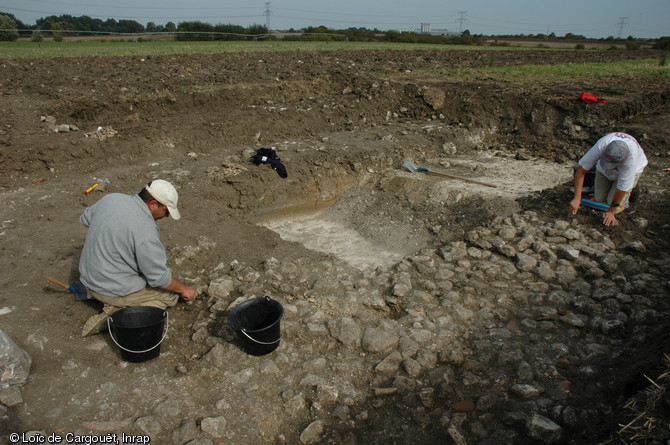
column 77, row 288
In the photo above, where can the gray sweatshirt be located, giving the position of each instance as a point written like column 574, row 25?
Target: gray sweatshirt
column 123, row 251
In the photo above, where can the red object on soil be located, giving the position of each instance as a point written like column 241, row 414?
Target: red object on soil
column 589, row 98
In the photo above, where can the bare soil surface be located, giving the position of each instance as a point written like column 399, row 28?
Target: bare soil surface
column 342, row 124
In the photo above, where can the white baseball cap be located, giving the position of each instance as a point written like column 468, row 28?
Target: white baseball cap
column 166, row 194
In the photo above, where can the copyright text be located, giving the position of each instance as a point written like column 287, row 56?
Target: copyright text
column 87, row 439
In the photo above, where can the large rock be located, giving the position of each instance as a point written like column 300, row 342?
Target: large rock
column 543, row 429
column 379, row 340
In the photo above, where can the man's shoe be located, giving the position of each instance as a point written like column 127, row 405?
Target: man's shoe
column 98, row 322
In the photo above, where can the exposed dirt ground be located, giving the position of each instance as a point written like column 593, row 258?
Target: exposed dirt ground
column 342, row 123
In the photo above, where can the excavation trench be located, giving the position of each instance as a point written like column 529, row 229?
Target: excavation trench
column 401, row 212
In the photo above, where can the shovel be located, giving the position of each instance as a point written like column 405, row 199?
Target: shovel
column 77, row 288
column 409, row 165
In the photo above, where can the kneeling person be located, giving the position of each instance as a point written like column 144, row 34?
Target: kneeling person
column 123, row 262
column 619, row 162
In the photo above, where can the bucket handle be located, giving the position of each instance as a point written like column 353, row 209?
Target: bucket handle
column 242, row 330
column 167, row 325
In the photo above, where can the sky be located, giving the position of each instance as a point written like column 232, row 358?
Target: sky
column 590, row 18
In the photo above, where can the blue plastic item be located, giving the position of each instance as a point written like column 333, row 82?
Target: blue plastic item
column 595, row 205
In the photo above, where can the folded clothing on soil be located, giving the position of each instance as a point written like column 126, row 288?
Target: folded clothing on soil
column 269, row 156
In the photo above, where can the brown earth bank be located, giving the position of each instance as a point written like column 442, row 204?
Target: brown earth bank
column 417, row 308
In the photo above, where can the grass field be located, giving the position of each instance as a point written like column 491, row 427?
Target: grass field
column 105, row 47
column 91, row 48
column 530, row 73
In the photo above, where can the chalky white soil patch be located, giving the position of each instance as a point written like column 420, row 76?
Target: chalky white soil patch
column 323, row 235
column 327, row 231
column 513, row 178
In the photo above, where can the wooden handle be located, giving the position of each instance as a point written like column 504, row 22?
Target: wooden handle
column 461, row 178
column 55, row 281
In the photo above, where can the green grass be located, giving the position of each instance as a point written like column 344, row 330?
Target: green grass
column 531, row 73
column 91, row 48
column 525, row 73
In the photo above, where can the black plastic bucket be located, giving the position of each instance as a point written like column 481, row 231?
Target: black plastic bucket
column 138, row 331
column 256, row 323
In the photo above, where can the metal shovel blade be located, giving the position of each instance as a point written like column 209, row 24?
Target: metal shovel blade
column 412, row 167
column 409, row 165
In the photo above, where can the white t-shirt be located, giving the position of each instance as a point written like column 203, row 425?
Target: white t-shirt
column 624, row 172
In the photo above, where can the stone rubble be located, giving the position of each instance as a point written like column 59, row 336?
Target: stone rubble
column 478, row 333
column 485, row 340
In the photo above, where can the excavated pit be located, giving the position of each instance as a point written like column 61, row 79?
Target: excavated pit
column 378, row 225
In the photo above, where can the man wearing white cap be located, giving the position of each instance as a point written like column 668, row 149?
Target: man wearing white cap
column 619, row 161
column 123, row 262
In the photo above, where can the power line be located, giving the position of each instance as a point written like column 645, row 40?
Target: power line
column 461, row 20
column 268, row 13
column 622, row 22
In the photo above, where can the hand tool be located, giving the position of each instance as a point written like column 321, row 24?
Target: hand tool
column 409, row 165
column 77, row 288
column 91, row 188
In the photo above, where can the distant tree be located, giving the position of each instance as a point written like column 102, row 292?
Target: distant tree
column 571, row 36
column 170, row 27
column 151, row 27
column 129, row 26
column 84, row 23
column 57, row 33
column 662, row 43
column 195, row 31
column 8, row 32
column 21, row 27
column 317, row 29
column 256, row 30
column 357, row 34
column 392, row 35
column 228, row 32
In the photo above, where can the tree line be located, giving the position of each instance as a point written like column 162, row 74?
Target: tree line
column 67, row 25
